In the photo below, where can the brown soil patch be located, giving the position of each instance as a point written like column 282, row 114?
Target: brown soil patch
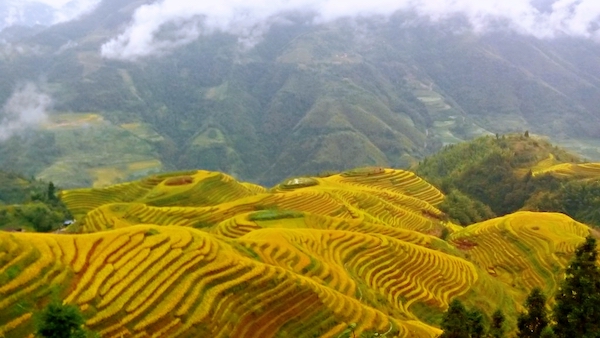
column 180, row 180
column 464, row 244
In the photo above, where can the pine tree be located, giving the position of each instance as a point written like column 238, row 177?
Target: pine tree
column 51, row 192
column 455, row 322
column 61, row 321
column 497, row 326
column 532, row 323
column 577, row 309
column 476, row 327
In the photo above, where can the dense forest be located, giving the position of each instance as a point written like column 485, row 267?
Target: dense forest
column 494, row 176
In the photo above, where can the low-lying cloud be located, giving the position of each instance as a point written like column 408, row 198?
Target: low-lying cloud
column 248, row 19
column 42, row 12
column 26, row 108
column 74, row 9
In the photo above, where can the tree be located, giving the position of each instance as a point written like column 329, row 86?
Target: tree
column 497, row 326
column 577, row 309
column 39, row 216
column 475, row 321
column 455, row 322
column 58, row 320
column 532, row 323
column 51, row 192
column 547, row 333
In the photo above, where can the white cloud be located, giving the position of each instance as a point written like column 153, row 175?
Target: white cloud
column 42, row 12
column 72, row 9
column 26, row 108
column 187, row 20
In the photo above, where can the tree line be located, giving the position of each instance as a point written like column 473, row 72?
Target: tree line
column 576, row 312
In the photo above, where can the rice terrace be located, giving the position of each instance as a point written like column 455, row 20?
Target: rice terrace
column 299, row 169
column 362, row 253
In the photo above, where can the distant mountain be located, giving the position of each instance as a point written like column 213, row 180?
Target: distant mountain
column 20, row 13
column 306, row 98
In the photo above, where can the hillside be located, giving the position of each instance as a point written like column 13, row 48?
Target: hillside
column 30, row 205
column 304, row 98
column 361, row 253
column 500, row 175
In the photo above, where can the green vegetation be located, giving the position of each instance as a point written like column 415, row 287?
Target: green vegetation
column 59, row 320
column 475, row 320
column 271, row 215
column 497, row 329
column 578, row 199
column 534, row 321
column 464, row 210
column 494, row 176
column 304, row 99
column 82, row 150
column 29, row 204
column 460, row 323
column 575, row 312
column 578, row 300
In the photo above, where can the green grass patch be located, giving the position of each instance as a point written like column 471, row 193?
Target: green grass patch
column 270, row 215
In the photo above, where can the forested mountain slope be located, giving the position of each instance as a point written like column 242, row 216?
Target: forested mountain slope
column 305, row 98
column 499, row 175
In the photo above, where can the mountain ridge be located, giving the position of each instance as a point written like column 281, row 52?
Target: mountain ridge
column 306, row 98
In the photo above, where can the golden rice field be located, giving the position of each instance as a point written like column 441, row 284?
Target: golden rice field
column 577, row 170
column 199, row 254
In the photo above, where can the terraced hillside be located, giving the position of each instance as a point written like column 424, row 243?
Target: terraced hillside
column 199, row 188
column 577, row 170
column 353, row 254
